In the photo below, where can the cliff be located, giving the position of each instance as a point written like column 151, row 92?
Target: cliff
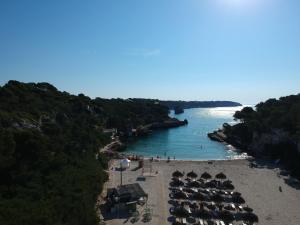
column 49, row 150
column 270, row 130
column 198, row 104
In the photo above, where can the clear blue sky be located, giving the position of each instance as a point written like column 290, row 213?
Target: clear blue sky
column 242, row 50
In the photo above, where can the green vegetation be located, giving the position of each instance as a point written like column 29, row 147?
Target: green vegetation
column 48, row 144
column 276, row 124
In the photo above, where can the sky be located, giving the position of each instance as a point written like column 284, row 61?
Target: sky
column 240, row 50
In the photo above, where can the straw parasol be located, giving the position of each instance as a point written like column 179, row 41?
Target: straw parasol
column 177, row 183
column 250, row 217
column 228, row 185
column 236, row 193
column 211, row 184
column 204, row 214
column 194, row 184
column 226, row 215
column 206, row 175
column 238, row 199
column 248, row 209
column 217, row 198
column 192, row 174
column 177, row 174
column 221, row 176
column 198, row 196
column 180, row 195
column 180, row 211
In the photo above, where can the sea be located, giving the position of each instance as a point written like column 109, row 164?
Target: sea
column 189, row 142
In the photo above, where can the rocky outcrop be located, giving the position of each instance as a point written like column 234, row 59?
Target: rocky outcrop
column 170, row 123
column 258, row 143
column 217, row 136
column 178, row 110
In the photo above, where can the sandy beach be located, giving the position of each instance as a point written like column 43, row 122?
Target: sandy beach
column 259, row 186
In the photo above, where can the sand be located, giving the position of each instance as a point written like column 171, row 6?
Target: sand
column 259, row 187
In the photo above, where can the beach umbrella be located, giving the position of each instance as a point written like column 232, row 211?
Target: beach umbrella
column 204, row 214
column 192, row 174
column 211, row 206
column 226, row 215
column 250, row 217
column 228, row 185
column 180, row 211
column 211, row 184
column 194, row 184
column 217, row 198
column 221, row 176
column 248, row 209
column 198, row 196
column 206, row 175
column 177, row 183
column 236, row 193
column 227, row 182
column 180, row 195
column 228, row 207
column 238, row 199
column 177, row 174
column 194, row 205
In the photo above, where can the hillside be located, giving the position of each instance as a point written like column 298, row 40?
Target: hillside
column 48, row 142
column 198, row 104
column 271, row 130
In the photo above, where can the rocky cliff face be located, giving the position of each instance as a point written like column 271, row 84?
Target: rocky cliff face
column 259, row 142
column 274, row 137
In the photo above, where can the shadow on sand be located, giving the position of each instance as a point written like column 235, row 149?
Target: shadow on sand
column 282, row 171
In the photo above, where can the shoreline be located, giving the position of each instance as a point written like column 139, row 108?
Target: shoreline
column 263, row 187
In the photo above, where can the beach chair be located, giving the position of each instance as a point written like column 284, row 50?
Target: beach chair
column 183, row 220
column 233, row 206
column 222, row 223
column 201, row 222
column 240, row 208
column 217, row 222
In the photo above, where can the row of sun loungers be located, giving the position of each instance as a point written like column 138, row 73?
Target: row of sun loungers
column 204, row 210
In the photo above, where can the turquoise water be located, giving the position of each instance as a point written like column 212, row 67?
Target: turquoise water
column 188, row 142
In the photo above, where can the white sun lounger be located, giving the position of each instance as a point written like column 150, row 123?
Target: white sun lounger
column 184, row 221
column 222, row 223
column 233, row 206
column 217, row 222
column 201, row 222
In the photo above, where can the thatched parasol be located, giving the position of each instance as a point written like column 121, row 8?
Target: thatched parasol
column 194, row 205
column 221, row 176
column 236, row 193
column 194, row 184
column 206, row 175
column 211, row 184
column 248, row 209
column 238, row 199
column 226, row 215
column 192, row 174
column 204, row 214
column 177, row 174
column 217, row 198
column 250, row 217
column 177, row 183
column 228, row 185
column 179, row 195
column 180, row 211
column 198, row 196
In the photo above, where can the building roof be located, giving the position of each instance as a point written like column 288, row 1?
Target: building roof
column 127, row 193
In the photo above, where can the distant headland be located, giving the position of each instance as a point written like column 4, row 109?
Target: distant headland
column 172, row 105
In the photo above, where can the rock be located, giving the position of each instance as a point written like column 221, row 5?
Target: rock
column 178, row 110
